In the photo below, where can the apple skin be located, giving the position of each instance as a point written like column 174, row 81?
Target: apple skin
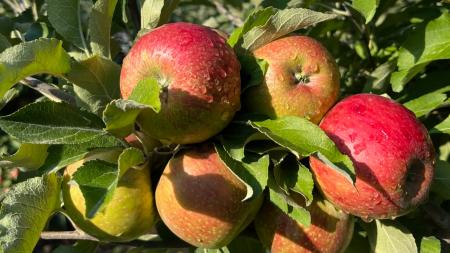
column 392, row 153
column 129, row 214
column 200, row 200
column 330, row 230
column 282, row 94
column 200, row 79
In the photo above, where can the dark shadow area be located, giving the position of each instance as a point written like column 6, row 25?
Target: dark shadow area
column 414, row 179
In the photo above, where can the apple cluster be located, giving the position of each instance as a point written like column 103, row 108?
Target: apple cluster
column 200, row 200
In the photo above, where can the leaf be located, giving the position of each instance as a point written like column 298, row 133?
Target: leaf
column 428, row 43
column 221, row 250
column 297, row 213
column 235, row 137
column 253, row 70
column 65, row 17
column 4, row 43
column 282, row 23
column 443, row 127
column 147, row 92
column 25, row 211
column 255, row 19
column 245, row 244
column 290, row 174
column 100, row 26
column 425, row 104
column 129, row 158
column 379, row 78
column 59, row 156
column 78, row 247
column 304, row 138
column 391, row 236
column 97, row 180
column 10, row 95
column 367, row 8
column 253, row 171
column 120, row 115
column 53, row 123
column 156, row 12
column 441, row 180
column 30, row 58
column 96, row 82
column 28, row 157
column 430, row 245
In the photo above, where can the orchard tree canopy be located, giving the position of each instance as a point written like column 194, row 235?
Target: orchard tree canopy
column 224, row 126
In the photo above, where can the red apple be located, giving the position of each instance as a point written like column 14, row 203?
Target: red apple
column 302, row 80
column 200, row 199
column 330, row 230
column 392, row 153
column 199, row 77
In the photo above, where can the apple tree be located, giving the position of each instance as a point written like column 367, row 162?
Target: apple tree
column 224, row 126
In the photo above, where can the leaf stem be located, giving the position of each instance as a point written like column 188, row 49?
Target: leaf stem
column 67, row 235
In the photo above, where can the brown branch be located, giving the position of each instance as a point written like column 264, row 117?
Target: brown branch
column 67, row 235
column 237, row 21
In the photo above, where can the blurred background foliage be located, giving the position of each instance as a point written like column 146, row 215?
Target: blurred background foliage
column 367, row 54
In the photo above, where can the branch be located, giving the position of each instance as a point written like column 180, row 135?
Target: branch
column 47, row 90
column 237, row 21
column 67, row 235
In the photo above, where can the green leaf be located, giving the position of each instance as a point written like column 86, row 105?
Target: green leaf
column 10, row 95
column 297, row 213
column 428, row 43
column 100, row 26
column 25, row 210
column 253, row 70
column 147, row 92
column 53, row 123
column 391, row 236
column 129, row 158
column 120, row 116
column 221, row 250
column 441, row 181
column 4, row 43
column 65, row 17
column 235, row 137
column 256, row 19
column 28, row 157
column 252, row 171
column 78, row 247
column 97, row 180
column 443, row 127
column 430, row 245
column 156, row 12
column 30, row 58
column 246, row 244
column 426, row 103
column 379, row 78
column 59, row 156
column 96, row 82
column 290, row 174
column 280, row 24
column 367, row 8
column 304, row 138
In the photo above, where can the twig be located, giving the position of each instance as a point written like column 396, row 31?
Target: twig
column 237, row 21
column 47, row 90
column 67, row 235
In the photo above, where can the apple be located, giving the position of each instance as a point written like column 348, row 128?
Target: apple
column 302, row 80
column 130, row 212
column 199, row 77
column 200, row 199
column 330, row 230
column 392, row 153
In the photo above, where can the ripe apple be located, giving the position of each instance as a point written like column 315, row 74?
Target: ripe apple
column 129, row 214
column 200, row 199
column 199, row 77
column 302, row 80
column 330, row 230
column 392, row 153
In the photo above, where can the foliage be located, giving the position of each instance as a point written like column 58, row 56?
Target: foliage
column 73, row 50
